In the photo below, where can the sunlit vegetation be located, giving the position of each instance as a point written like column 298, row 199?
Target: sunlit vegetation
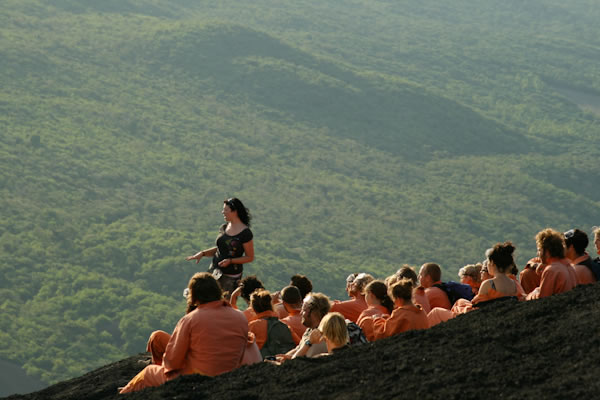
column 362, row 135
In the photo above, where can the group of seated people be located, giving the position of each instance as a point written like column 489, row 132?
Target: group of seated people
column 215, row 337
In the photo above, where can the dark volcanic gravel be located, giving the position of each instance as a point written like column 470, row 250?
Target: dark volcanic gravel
column 547, row 348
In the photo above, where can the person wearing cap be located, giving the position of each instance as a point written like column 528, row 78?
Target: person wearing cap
column 351, row 309
column 558, row 275
column 430, row 274
column 576, row 241
column 292, row 302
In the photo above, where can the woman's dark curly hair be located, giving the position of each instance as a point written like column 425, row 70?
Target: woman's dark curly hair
column 243, row 213
column 502, row 256
column 249, row 285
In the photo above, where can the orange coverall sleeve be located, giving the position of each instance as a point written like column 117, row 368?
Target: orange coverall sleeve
column 178, row 346
column 259, row 328
column 383, row 328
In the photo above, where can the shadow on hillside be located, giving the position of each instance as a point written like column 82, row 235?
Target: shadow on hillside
column 397, row 117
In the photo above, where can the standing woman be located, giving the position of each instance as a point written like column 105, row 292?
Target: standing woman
column 234, row 246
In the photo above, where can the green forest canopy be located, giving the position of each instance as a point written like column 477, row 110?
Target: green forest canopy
column 362, row 135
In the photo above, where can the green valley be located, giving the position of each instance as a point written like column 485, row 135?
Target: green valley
column 361, row 134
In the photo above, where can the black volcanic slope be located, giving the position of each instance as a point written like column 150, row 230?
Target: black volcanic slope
column 540, row 349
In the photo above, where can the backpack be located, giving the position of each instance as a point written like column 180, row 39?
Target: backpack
column 279, row 338
column 355, row 333
column 594, row 266
column 456, row 291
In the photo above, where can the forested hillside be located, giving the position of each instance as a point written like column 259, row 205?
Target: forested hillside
column 361, row 134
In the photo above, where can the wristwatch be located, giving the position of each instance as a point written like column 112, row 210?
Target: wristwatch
column 308, row 343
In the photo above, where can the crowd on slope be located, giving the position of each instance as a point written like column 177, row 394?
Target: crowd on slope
column 215, row 337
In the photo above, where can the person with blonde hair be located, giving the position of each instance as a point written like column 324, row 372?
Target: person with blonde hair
column 558, row 275
column 470, row 275
column 596, row 231
column 314, row 308
column 334, row 330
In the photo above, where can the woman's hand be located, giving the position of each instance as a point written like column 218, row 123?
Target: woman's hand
column 198, row 256
column 225, row 263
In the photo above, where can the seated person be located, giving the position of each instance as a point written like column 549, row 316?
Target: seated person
column 379, row 303
column 529, row 276
column 500, row 264
column 314, row 308
column 292, row 302
column 576, row 242
column 558, row 275
column 485, row 273
column 419, row 296
column 265, row 317
column 247, row 286
column 333, row 331
column 303, row 284
column 471, row 275
column 406, row 316
column 351, row 309
column 430, row 274
column 210, row 339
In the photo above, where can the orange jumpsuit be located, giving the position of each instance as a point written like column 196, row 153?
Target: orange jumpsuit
column 350, row 309
column 438, row 315
column 437, row 297
column 279, row 308
column 463, row 306
column 259, row 328
column 529, row 277
column 557, row 277
column 420, row 298
column 584, row 274
column 294, row 321
column 405, row 318
column 210, row 340
column 365, row 320
column 249, row 314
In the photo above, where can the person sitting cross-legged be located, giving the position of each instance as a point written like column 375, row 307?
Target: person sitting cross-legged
column 210, row 339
